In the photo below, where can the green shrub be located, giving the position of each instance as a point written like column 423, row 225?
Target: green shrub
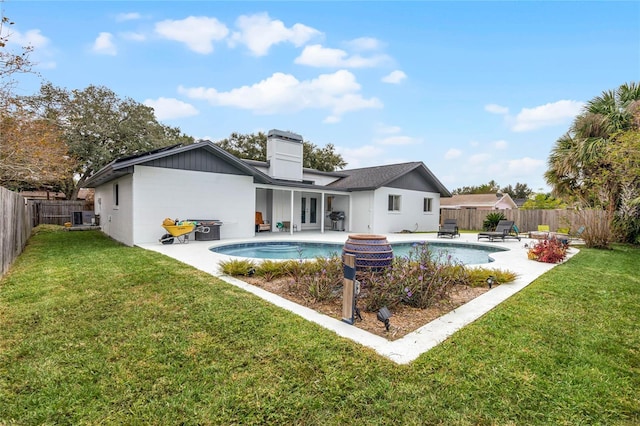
column 236, row 267
column 478, row 276
column 491, row 221
column 419, row 279
column 323, row 278
column 271, row 269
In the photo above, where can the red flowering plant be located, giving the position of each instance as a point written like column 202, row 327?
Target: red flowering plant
column 551, row 250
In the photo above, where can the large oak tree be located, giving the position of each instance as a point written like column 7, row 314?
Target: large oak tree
column 33, row 153
column 99, row 127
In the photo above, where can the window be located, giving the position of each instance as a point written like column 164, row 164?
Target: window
column 116, row 195
column 426, row 205
column 394, row 203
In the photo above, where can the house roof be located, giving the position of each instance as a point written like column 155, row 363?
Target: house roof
column 368, row 178
column 362, row 179
column 123, row 166
column 477, row 201
column 337, row 173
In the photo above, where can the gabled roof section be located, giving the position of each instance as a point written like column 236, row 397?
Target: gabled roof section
column 478, row 201
column 392, row 175
column 160, row 158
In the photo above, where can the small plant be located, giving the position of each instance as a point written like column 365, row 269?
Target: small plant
column 271, row 269
column 237, row 267
column 418, row 280
column 491, row 221
column 323, row 278
column 478, row 276
column 551, row 250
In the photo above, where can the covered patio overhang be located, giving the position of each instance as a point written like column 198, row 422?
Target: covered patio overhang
column 308, row 208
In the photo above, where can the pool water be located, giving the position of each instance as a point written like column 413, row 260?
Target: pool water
column 469, row 254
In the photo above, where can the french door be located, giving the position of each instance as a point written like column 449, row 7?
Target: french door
column 309, row 210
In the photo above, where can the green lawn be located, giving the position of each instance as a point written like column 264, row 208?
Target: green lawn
column 92, row 332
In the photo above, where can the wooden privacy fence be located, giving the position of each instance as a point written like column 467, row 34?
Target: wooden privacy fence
column 526, row 220
column 15, row 227
column 55, row 212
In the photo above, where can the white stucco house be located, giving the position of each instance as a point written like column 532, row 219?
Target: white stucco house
column 202, row 181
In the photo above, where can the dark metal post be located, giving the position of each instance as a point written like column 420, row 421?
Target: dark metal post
column 349, row 288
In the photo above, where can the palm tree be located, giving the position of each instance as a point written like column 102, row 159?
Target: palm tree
column 578, row 158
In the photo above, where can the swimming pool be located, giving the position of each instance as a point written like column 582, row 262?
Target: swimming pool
column 469, row 254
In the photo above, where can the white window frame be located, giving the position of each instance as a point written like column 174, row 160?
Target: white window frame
column 427, row 205
column 394, row 203
column 116, row 196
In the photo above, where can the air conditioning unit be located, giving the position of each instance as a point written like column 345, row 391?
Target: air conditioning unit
column 83, row 218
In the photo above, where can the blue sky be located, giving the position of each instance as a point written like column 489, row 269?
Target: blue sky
column 475, row 90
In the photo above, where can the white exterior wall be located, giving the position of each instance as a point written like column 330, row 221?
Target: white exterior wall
column 360, row 215
column 285, row 159
column 318, row 179
column 282, row 208
column 411, row 215
column 116, row 221
column 184, row 194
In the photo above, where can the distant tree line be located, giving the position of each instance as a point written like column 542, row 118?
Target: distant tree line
column 254, row 147
column 520, row 191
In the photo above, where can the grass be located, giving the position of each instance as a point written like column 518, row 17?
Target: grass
column 92, row 332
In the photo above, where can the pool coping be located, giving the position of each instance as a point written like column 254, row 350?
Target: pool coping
column 410, row 346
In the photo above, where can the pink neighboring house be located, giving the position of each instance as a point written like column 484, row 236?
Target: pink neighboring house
column 479, row 202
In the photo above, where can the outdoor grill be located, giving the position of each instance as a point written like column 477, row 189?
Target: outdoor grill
column 337, row 217
column 213, row 225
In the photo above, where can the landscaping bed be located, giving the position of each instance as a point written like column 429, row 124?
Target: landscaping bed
column 405, row 319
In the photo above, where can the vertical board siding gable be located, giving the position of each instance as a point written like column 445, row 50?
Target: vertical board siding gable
column 199, row 160
column 415, row 181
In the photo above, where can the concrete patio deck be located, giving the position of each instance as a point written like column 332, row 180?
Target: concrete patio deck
column 407, row 348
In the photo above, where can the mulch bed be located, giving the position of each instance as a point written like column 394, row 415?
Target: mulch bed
column 405, row 319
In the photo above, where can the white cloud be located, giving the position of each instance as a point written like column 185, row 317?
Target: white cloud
column 132, row 36
column 318, row 56
column 197, row 32
column 283, row 93
column 30, row 38
column 364, row 43
column 479, row 158
column 169, row 108
column 394, row 77
column 384, row 129
column 104, row 45
column 331, row 119
column 42, row 53
column 259, row 32
column 524, row 166
column 132, row 16
column 398, row 140
column 551, row 114
column 501, row 144
column 364, row 156
column 452, row 153
column 496, row 109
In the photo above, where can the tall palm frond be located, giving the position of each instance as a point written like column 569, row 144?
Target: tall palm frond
column 628, row 92
column 591, row 125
